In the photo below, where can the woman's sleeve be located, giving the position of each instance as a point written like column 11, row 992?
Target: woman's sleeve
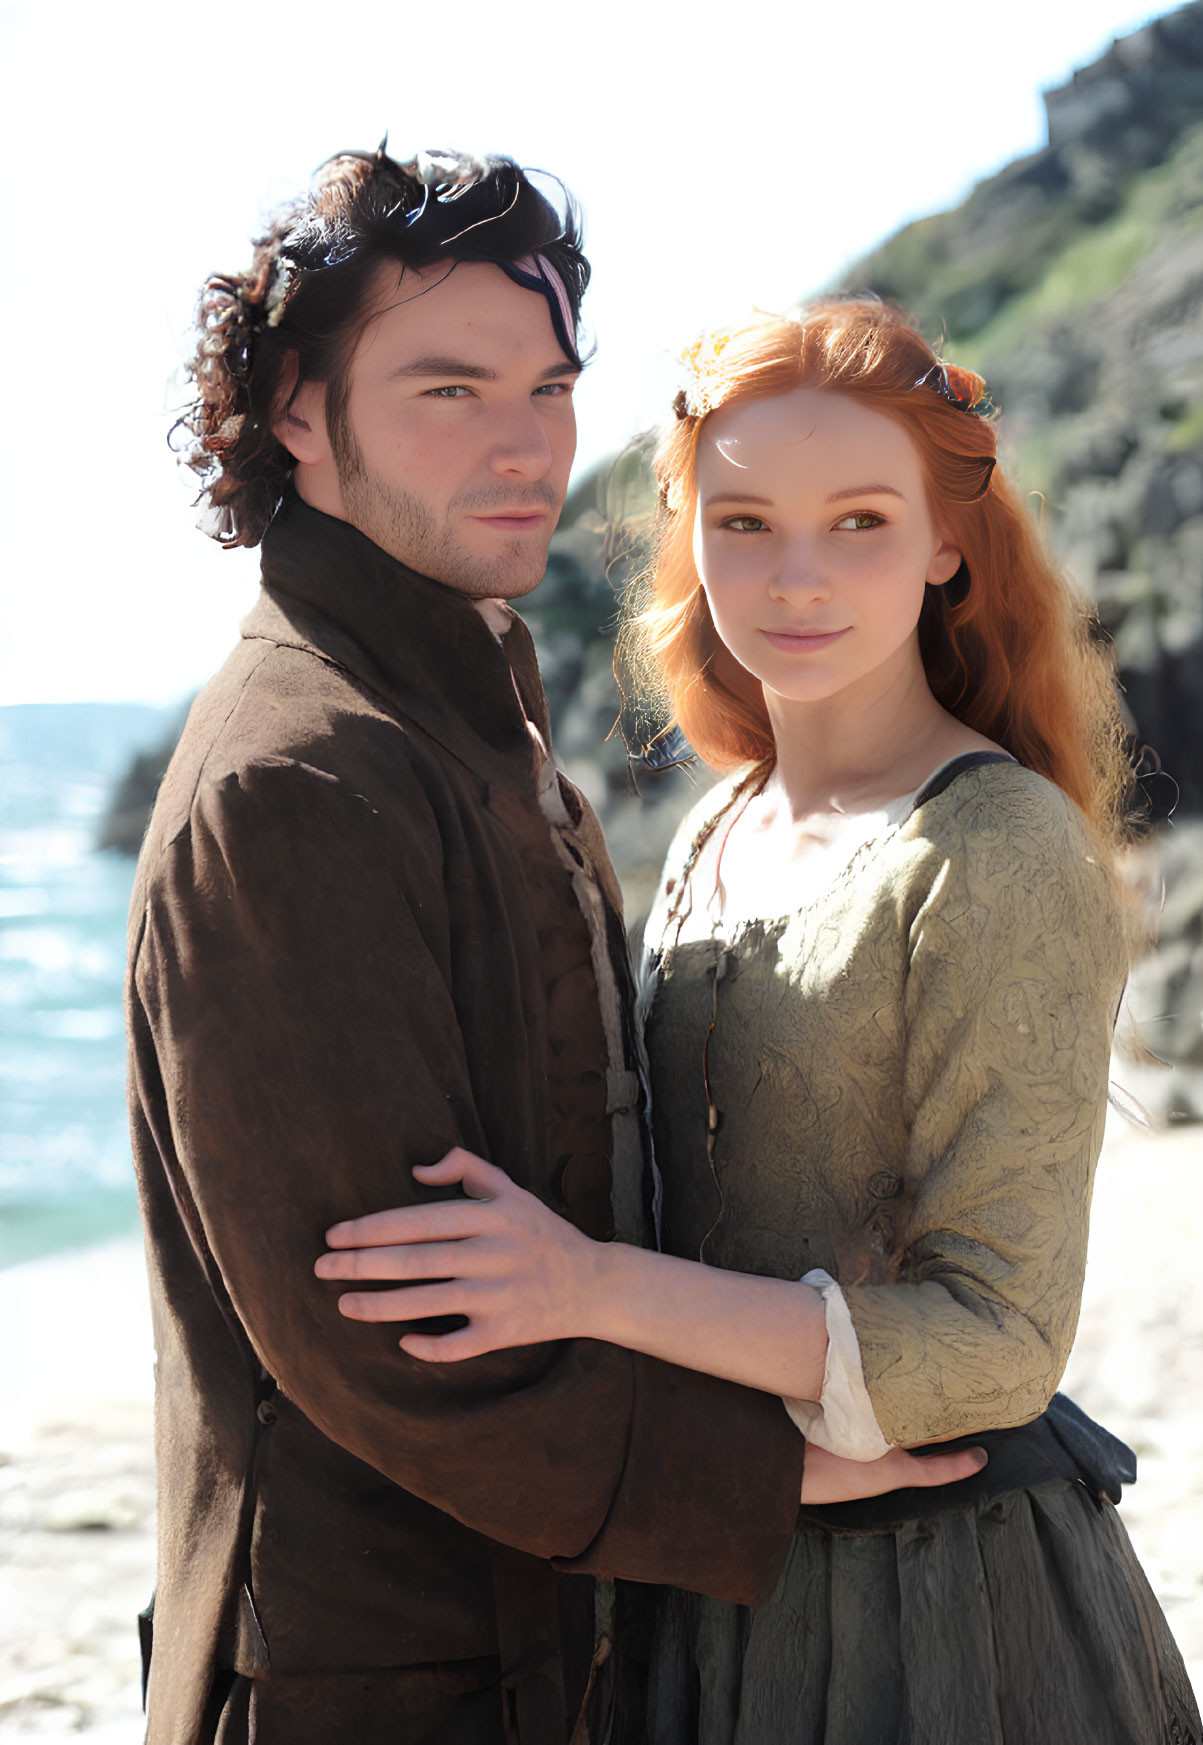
column 1016, row 961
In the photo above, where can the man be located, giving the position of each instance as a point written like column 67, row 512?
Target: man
column 371, row 923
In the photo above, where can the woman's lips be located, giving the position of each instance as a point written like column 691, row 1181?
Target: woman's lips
column 798, row 641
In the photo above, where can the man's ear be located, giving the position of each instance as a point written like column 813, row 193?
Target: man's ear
column 945, row 562
column 300, row 421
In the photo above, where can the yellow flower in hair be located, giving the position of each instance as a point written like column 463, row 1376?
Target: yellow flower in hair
column 701, row 361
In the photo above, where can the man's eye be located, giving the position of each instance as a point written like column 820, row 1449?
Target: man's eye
column 452, row 392
column 555, row 390
column 861, row 521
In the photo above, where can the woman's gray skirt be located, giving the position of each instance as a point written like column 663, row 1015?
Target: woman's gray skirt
column 1020, row 1619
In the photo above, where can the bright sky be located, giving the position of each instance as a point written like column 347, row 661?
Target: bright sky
column 741, row 157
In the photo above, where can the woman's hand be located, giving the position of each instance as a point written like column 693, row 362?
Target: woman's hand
column 828, row 1478
column 519, row 1272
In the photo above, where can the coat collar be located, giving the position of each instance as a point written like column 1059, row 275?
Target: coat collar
column 329, row 589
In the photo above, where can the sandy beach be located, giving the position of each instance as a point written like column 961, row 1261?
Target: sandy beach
column 76, row 1469
column 76, row 1494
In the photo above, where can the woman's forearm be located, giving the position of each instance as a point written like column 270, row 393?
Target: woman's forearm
column 521, row 1274
column 765, row 1333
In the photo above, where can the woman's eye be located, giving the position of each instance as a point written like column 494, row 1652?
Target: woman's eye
column 861, row 521
column 745, row 524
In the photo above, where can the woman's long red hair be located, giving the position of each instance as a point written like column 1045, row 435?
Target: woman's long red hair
column 1017, row 658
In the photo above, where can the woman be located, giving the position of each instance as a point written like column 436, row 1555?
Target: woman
column 884, row 969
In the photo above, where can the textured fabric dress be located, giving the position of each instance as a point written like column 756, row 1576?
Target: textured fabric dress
column 904, row 1082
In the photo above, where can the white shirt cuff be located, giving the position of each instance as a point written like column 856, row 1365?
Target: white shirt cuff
column 843, row 1422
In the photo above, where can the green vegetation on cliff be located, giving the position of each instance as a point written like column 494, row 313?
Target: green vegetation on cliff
column 1073, row 281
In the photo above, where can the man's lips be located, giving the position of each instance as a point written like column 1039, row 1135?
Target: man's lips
column 514, row 520
column 794, row 641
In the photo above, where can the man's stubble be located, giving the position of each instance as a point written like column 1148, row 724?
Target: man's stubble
column 406, row 527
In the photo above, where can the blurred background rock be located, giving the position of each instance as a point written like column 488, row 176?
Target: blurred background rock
column 1073, row 281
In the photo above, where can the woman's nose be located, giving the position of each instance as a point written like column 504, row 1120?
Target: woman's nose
column 801, row 575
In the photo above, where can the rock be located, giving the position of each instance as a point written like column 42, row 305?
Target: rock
column 1165, row 994
column 125, row 818
column 96, row 1509
column 1073, row 280
column 573, row 618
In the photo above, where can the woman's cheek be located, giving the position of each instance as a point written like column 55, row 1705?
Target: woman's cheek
column 731, row 612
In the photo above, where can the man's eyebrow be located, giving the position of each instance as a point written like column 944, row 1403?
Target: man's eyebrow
column 445, row 366
column 459, row 369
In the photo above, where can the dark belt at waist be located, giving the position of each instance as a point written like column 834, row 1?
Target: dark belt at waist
column 1062, row 1443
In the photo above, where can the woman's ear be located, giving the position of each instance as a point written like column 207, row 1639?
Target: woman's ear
column 300, row 422
column 945, row 562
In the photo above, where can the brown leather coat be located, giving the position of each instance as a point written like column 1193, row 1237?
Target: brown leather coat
column 352, row 946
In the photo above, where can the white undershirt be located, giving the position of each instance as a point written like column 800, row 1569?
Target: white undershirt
column 842, row 1420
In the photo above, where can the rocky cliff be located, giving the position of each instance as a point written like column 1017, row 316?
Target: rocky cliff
column 1073, row 281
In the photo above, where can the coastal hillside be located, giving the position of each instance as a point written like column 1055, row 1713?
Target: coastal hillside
column 1073, row 281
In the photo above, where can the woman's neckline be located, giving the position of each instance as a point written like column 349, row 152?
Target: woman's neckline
column 898, row 813
column 947, row 773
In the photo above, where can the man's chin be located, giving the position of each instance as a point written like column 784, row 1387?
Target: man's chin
column 515, row 587
column 499, row 575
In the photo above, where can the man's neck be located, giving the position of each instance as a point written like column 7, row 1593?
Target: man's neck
column 319, row 487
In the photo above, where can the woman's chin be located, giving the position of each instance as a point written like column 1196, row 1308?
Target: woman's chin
column 813, row 686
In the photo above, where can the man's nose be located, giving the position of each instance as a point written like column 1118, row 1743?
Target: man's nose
column 520, row 444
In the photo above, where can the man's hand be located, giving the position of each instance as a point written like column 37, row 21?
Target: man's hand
column 827, row 1478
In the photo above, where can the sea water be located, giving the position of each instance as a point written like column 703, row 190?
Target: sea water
column 65, row 1173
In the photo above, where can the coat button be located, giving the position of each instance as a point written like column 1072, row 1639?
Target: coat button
column 885, row 1185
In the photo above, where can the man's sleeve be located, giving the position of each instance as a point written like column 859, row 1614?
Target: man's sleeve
column 292, row 993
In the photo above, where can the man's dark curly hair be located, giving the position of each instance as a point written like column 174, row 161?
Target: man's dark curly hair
column 310, row 288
